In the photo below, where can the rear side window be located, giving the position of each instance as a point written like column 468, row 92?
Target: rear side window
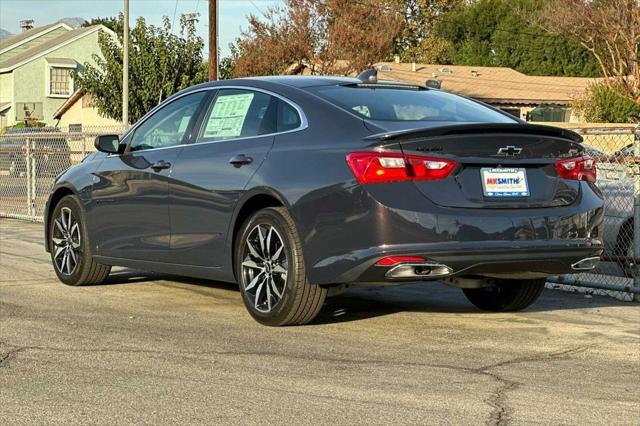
column 288, row 117
column 393, row 104
column 239, row 113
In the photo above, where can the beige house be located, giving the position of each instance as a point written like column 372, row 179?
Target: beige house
column 531, row 98
column 79, row 114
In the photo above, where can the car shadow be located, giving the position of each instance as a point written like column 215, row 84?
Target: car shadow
column 361, row 303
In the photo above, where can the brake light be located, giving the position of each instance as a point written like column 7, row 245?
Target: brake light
column 378, row 167
column 579, row 168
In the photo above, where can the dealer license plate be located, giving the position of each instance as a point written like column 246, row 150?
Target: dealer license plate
column 504, row 182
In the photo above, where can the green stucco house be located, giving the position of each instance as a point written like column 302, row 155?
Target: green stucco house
column 35, row 70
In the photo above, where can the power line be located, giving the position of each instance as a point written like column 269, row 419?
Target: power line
column 257, row 8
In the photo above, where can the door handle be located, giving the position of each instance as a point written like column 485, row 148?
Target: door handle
column 240, row 160
column 161, row 165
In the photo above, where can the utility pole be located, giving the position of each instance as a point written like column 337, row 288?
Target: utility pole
column 125, row 67
column 213, row 40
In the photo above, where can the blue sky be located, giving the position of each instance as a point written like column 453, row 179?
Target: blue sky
column 232, row 12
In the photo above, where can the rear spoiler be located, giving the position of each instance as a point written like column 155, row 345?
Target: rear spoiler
column 477, row 128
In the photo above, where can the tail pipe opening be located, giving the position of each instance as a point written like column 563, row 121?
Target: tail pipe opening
column 413, row 267
column 586, row 264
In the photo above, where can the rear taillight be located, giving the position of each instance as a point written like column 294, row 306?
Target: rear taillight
column 378, row 167
column 579, row 168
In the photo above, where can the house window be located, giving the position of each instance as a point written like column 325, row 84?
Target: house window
column 59, row 81
column 513, row 111
column 549, row 113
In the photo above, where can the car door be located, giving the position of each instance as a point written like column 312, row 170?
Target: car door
column 211, row 174
column 130, row 191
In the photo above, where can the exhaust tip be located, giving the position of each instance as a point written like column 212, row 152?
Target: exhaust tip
column 586, row 264
column 419, row 270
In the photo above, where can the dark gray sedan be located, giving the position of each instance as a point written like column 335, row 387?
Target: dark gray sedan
column 297, row 187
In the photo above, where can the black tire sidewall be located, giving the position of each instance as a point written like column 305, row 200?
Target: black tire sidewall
column 282, row 310
column 509, row 295
column 74, row 205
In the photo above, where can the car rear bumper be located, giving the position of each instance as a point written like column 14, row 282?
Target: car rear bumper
column 494, row 259
column 389, row 220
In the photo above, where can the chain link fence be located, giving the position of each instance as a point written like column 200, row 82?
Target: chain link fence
column 30, row 159
column 617, row 153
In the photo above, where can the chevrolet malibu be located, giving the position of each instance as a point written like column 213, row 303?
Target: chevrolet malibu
column 299, row 187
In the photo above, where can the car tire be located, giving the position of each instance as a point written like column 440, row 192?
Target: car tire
column 507, row 295
column 270, row 270
column 70, row 247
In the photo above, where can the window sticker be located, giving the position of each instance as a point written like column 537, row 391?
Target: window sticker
column 362, row 109
column 184, row 123
column 227, row 117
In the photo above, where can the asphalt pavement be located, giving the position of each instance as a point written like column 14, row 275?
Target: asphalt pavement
column 155, row 349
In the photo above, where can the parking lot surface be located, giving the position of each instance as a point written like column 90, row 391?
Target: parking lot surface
column 156, row 349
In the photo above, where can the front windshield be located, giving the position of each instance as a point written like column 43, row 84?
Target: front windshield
column 401, row 105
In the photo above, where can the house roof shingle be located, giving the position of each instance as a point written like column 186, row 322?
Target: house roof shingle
column 15, row 39
column 491, row 84
column 41, row 48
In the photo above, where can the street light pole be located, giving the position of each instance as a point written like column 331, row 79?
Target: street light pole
column 125, row 67
column 213, row 40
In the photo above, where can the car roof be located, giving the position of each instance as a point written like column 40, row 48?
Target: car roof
column 301, row 81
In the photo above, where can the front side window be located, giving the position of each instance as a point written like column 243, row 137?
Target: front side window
column 169, row 125
column 403, row 105
column 60, row 81
column 240, row 113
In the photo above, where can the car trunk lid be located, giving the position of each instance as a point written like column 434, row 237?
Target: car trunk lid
column 499, row 165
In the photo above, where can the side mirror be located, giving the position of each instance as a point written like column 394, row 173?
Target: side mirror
column 108, row 143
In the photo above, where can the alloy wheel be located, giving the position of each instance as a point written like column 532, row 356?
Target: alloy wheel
column 66, row 242
column 264, row 267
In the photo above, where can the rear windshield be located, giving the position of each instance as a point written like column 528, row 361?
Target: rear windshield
column 388, row 104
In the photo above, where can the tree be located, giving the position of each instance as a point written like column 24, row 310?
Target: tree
column 228, row 63
column 609, row 29
column 327, row 36
column 605, row 103
column 417, row 40
column 114, row 23
column 161, row 63
column 498, row 33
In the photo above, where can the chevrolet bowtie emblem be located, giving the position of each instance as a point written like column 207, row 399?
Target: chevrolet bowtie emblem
column 509, row 151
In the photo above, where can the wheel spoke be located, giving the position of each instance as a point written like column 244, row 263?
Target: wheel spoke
column 59, row 226
column 258, row 291
column 261, row 238
column 57, row 241
column 254, row 281
column 73, row 257
column 69, row 262
column 251, row 264
column 64, row 261
column 275, row 289
column 269, row 281
column 279, row 269
column 64, row 217
column 276, row 255
column 59, row 251
column 267, row 253
column 253, row 250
